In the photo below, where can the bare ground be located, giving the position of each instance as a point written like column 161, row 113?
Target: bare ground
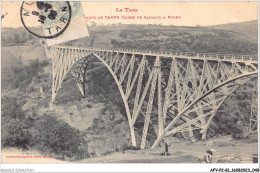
column 239, row 151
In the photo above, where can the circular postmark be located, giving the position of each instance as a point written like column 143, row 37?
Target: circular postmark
column 53, row 16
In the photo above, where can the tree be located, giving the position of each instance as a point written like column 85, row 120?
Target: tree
column 53, row 136
column 11, row 109
column 16, row 133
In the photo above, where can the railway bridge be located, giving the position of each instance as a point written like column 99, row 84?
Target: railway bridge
column 170, row 92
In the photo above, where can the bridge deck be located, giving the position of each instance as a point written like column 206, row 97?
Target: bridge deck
column 192, row 55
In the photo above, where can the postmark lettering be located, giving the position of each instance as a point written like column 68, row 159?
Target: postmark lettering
column 55, row 14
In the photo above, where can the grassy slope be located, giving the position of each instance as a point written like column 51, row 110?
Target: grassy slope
column 249, row 29
column 172, row 38
column 12, row 56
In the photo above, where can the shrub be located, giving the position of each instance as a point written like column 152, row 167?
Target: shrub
column 23, row 75
column 56, row 137
column 15, row 128
column 16, row 133
column 237, row 131
column 127, row 147
column 11, row 109
column 47, row 135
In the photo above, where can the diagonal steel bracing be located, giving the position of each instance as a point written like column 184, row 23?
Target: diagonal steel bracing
column 176, row 93
column 254, row 109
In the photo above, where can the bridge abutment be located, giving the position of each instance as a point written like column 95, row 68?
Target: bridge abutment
column 51, row 106
column 204, row 134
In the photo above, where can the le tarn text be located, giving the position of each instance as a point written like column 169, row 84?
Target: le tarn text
column 126, row 10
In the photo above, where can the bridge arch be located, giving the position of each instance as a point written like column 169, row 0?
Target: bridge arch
column 81, row 88
column 161, row 85
column 247, row 77
column 231, row 92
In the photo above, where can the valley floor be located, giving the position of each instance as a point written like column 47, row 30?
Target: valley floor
column 227, row 151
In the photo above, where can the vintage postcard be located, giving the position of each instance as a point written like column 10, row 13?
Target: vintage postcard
column 130, row 82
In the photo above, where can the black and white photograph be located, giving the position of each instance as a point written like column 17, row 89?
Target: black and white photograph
column 136, row 82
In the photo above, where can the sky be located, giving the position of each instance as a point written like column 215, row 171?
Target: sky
column 188, row 13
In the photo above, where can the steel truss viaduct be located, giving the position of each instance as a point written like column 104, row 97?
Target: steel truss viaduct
column 170, row 92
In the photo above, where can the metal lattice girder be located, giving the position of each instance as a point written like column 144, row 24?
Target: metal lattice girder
column 155, row 74
column 181, row 91
column 254, row 110
column 218, row 90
